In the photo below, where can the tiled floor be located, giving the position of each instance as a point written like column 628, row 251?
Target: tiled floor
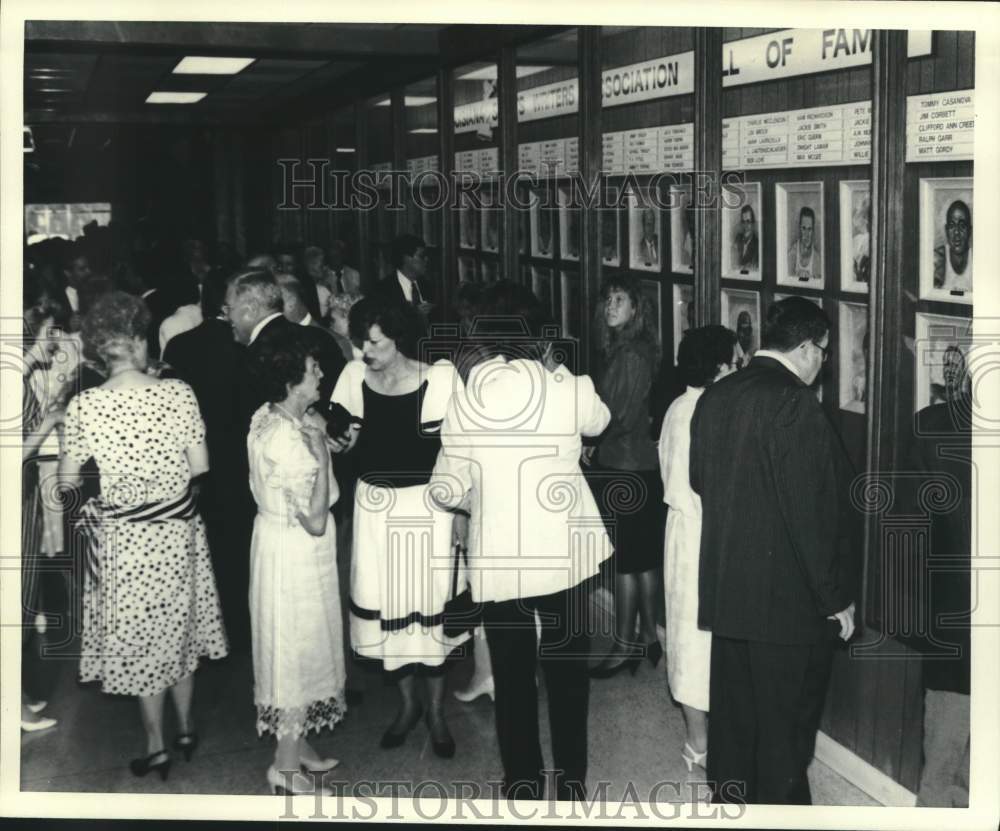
column 636, row 733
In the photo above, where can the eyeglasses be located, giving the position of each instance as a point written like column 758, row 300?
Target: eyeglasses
column 824, row 349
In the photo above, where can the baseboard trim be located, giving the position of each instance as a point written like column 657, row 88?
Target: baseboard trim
column 863, row 775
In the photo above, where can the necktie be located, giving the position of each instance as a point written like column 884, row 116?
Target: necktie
column 340, row 282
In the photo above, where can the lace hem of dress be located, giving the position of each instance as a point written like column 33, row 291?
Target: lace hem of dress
column 298, row 721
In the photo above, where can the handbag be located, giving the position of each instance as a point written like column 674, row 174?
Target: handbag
column 461, row 614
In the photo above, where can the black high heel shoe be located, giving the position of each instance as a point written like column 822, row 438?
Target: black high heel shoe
column 601, row 671
column 654, row 652
column 390, row 740
column 186, row 743
column 140, row 767
column 443, row 749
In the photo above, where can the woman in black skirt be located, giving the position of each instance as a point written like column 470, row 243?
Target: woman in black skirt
column 626, row 472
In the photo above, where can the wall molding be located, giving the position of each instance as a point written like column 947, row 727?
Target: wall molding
column 863, row 775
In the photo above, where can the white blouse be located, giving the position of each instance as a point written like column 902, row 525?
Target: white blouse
column 511, row 442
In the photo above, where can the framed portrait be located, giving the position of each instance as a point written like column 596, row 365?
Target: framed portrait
column 799, row 234
column 654, row 293
column 683, row 312
column 432, row 227
column 489, row 270
column 681, row 230
column 468, row 223
column 941, row 350
column 467, row 270
column 544, row 289
column 541, row 223
column 946, row 240
column 742, row 231
column 852, row 357
column 741, row 313
column 572, row 312
column 489, row 219
column 645, row 237
column 569, row 225
column 611, row 238
column 855, row 235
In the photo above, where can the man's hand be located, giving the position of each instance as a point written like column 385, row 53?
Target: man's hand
column 345, row 441
column 846, row 621
column 587, row 455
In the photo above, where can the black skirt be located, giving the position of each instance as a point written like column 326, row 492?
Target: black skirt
column 631, row 503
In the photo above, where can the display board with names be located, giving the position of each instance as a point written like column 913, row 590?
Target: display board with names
column 422, row 164
column 940, row 126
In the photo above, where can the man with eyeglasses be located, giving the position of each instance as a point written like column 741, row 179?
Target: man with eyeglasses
column 777, row 578
column 953, row 260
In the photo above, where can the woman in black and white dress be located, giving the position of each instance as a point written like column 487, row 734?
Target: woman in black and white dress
column 401, row 567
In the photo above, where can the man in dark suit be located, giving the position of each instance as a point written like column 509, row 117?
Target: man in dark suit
column 331, row 358
column 210, row 361
column 777, row 576
column 409, row 257
column 942, row 452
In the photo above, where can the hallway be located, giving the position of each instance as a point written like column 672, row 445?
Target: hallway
column 635, row 738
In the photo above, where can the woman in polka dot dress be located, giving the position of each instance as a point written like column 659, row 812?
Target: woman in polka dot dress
column 150, row 605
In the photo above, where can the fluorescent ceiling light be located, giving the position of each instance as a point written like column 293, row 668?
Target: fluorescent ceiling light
column 53, row 89
column 488, row 73
column 175, row 97
column 212, row 66
column 410, row 101
column 424, row 130
column 345, row 149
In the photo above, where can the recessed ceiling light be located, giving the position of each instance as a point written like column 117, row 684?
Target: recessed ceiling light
column 345, row 149
column 175, row 97
column 410, row 101
column 489, row 72
column 424, row 130
column 52, row 89
column 211, row 66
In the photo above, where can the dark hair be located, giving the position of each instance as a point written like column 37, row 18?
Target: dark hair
column 640, row 328
column 701, row 351
column 807, row 211
column 213, row 293
column 73, row 251
column 513, row 322
column 42, row 303
column 182, row 290
column 400, row 322
column 405, row 245
column 280, row 360
column 793, row 321
column 113, row 323
column 92, row 289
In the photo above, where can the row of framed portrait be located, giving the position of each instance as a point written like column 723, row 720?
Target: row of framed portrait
column 945, row 238
column 940, row 348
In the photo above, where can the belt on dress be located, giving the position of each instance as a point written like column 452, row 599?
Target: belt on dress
column 95, row 512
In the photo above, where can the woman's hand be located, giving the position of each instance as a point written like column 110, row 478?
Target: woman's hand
column 460, row 530
column 346, row 441
column 316, row 442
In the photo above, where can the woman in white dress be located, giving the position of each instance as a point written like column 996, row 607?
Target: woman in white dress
column 705, row 355
column 298, row 658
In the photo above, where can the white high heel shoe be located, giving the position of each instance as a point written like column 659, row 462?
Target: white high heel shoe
column 320, row 765
column 692, row 758
column 282, row 785
column 473, row 692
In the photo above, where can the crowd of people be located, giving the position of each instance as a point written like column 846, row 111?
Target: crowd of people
column 225, row 425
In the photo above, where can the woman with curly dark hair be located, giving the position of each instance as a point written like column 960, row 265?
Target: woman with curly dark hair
column 298, row 658
column 705, row 355
column 626, row 461
column 398, row 585
column 151, row 611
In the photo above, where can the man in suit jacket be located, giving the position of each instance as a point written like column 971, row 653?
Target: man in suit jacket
column 409, row 257
column 777, row 576
column 942, row 452
column 211, row 361
column 340, row 278
column 331, row 358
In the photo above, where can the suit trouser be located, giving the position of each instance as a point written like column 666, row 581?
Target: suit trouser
column 514, row 653
column 765, row 703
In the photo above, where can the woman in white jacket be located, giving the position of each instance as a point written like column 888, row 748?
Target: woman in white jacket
column 510, row 455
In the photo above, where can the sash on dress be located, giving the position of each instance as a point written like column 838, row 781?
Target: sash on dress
column 95, row 512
